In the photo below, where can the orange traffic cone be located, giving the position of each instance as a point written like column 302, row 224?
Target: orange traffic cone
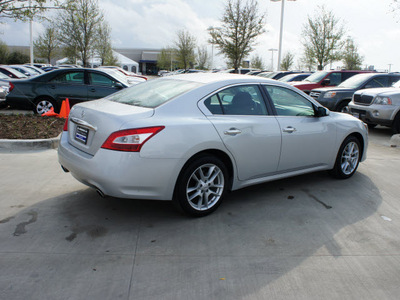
column 64, row 111
column 50, row 113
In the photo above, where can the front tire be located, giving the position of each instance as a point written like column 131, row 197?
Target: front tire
column 347, row 159
column 201, row 186
column 396, row 125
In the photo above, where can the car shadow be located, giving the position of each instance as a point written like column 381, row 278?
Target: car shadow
column 264, row 231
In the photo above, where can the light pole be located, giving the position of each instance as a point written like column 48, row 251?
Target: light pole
column 31, row 36
column 272, row 57
column 280, row 31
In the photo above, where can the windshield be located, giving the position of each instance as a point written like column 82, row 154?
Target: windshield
column 316, row 77
column 288, row 77
column 154, row 92
column 354, row 81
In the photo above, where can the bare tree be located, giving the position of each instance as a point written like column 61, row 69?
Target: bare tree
column 47, row 45
column 241, row 25
column 322, row 37
column 185, row 45
column 287, row 61
column 256, row 62
column 78, row 26
column 202, row 58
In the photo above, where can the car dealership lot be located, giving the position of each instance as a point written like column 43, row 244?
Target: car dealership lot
column 308, row 237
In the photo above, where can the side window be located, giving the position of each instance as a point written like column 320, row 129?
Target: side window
column 347, row 75
column 99, row 79
column 70, row 77
column 237, row 100
column 335, row 78
column 289, row 103
column 377, row 82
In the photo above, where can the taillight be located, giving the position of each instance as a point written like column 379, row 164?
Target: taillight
column 65, row 128
column 130, row 139
column 11, row 87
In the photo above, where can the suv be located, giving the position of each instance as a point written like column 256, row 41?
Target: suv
column 325, row 78
column 337, row 98
column 378, row 106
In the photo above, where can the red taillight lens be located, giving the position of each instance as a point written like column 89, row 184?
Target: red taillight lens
column 130, row 139
column 11, row 87
column 65, row 128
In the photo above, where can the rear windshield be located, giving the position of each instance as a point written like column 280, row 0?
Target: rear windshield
column 355, row 81
column 153, row 93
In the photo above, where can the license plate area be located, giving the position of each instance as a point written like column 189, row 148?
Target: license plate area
column 81, row 134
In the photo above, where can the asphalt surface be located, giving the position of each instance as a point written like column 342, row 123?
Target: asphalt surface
column 308, row 237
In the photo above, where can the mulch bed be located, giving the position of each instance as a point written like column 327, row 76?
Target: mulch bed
column 30, row 127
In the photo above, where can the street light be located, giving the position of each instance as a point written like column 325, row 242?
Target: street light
column 272, row 58
column 280, row 31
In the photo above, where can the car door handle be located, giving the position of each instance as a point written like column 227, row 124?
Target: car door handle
column 232, row 131
column 289, row 129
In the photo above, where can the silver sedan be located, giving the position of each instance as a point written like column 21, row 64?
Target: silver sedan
column 191, row 138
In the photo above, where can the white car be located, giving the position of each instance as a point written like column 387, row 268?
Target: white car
column 190, row 138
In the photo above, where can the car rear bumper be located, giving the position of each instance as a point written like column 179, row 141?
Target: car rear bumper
column 121, row 174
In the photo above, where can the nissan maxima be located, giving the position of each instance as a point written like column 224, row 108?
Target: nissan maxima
column 191, row 138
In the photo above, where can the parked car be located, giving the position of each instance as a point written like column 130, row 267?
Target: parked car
column 337, row 98
column 50, row 68
column 278, row 75
column 12, row 73
column 193, row 137
column 325, row 79
column 126, row 73
column 240, row 71
column 294, row 77
column 24, row 70
column 378, row 106
column 36, row 69
column 48, row 90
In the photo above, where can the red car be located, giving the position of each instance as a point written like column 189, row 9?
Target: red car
column 324, row 79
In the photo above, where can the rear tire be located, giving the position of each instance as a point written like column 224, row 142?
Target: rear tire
column 347, row 159
column 201, row 186
column 44, row 104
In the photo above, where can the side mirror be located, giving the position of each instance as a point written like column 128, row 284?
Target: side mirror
column 326, row 81
column 119, row 85
column 321, row 112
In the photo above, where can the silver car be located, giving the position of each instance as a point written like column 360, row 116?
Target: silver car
column 378, row 106
column 190, row 138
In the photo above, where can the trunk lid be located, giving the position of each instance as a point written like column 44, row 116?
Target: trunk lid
column 91, row 123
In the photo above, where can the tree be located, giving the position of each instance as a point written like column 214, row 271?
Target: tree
column 166, row 59
column 351, row 58
column 256, row 62
column 103, row 45
column 185, row 46
column 47, row 45
column 78, row 27
column 241, row 25
column 17, row 58
column 202, row 58
column 21, row 10
column 287, row 61
column 322, row 37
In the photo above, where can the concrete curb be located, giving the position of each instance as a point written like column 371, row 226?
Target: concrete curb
column 23, row 145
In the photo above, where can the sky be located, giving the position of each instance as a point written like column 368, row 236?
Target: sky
column 372, row 24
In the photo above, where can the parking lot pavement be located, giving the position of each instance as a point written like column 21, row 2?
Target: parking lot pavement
column 309, row 237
